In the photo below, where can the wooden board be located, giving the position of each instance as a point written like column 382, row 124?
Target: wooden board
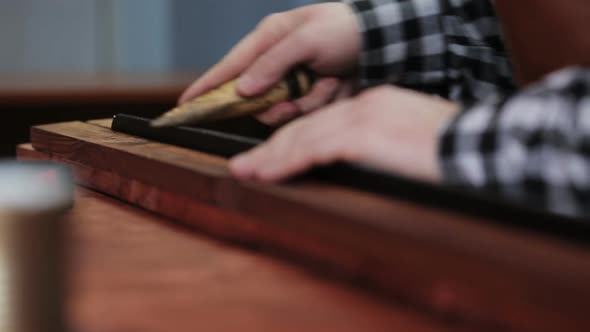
column 450, row 266
column 133, row 271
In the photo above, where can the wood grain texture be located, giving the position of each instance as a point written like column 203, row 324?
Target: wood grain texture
column 91, row 89
column 133, row 271
column 452, row 266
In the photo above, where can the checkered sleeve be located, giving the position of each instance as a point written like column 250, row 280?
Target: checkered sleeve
column 532, row 146
column 452, row 48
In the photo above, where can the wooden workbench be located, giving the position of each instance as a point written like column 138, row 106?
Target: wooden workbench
column 134, row 271
column 455, row 270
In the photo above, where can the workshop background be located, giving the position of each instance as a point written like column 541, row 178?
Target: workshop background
column 39, row 36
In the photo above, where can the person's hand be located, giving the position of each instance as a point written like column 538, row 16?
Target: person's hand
column 388, row 128
column 323, row 37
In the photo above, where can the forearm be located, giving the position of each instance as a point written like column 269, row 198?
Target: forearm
column 434, row 46
column 532, row 146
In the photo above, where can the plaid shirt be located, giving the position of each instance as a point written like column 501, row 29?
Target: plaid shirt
column 531, row 145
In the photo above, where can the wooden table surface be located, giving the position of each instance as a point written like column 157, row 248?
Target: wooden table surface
column 134, row 271
column 27, row 90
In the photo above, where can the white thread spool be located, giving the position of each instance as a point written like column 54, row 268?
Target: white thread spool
column 33, row 198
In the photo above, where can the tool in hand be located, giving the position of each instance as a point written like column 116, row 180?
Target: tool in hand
column 225, row 102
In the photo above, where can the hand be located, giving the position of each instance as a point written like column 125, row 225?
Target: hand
column 388, row 128
column 323, row 37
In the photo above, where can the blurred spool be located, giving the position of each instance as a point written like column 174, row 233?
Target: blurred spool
column 33, row 199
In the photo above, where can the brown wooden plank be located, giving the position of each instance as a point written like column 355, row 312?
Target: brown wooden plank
column 26, row 152
column 133, row 271
column 448, row 264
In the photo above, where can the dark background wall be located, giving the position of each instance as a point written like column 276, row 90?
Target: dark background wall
column 206, row 29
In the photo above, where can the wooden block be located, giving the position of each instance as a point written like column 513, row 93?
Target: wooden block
column 29, row 100
column 452, row 266
column 105, row 123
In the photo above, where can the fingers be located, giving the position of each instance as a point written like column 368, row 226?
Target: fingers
column 279, row 114
column 274, row 64
column 329, row 149
column 269, row 32
column 322, row 93
column 311, row 141
column 346, row 90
